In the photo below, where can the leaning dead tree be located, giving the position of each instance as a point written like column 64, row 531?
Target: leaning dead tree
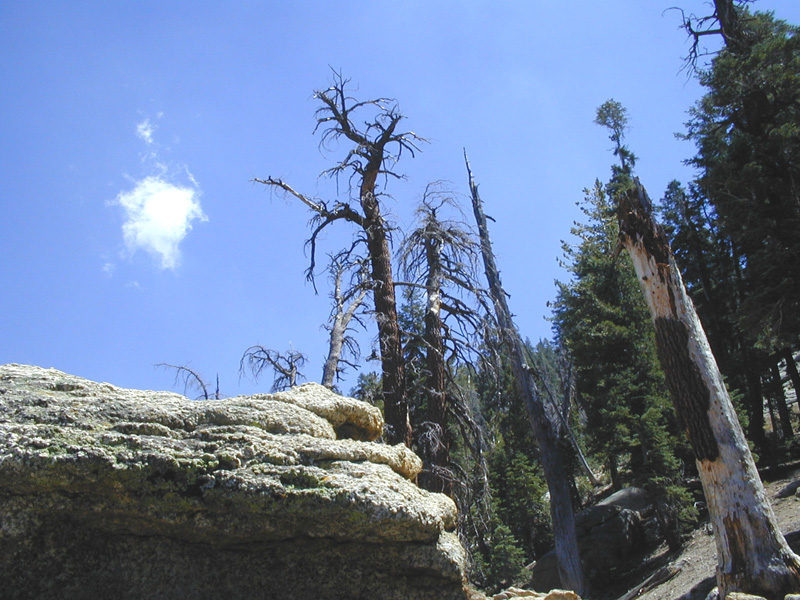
column 284, row 366
column 752, row 554
column 347, row 301
column 560, row 415
column 370, row 127
column 566, row 541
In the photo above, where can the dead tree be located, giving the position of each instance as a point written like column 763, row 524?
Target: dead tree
column 439, row 256
column 752, row 554
column 555, row 472
column 561, row 416
column 347, row 301
column 192, row 379
column 375, row 148
column 776, row 385
column 726, row 20
column 285, row 366
column 791, row 371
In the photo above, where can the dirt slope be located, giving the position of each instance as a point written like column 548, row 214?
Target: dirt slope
column 697, row 561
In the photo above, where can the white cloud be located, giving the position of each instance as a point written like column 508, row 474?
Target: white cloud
column 159, row 215
column 145, row 131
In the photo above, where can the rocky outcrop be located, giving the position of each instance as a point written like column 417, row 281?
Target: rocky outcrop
column 108, row 492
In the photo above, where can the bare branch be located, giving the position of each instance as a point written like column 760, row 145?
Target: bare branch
column 726, row 21
column 191, row 379
column 317, row 206
column 285, row 367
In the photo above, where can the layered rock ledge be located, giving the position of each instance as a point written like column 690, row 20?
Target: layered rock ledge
column 109, row 492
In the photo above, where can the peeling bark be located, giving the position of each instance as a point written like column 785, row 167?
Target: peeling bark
column 753, row 555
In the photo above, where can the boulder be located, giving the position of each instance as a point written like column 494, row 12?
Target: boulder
column 610, row 535
column 791, row 489
column 109, row 492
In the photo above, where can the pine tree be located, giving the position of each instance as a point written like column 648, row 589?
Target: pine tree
column 747, row 132
column 600, row 317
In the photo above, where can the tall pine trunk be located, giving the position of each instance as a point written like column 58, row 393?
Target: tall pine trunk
column 566, row 540
column 791, row 370
column 392, row 368
column 752, row 554
column 438, row 455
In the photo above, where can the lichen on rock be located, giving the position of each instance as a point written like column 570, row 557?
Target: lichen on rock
column 150, row 494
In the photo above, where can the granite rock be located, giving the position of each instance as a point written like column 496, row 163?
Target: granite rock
column 137, row 494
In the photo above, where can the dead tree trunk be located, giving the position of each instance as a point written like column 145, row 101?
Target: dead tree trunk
column 437, row 383
column 345, row 305
column 376, row 145
column 752, row 554
column 440, row 256
column 791, row 371
column 566, row 540
column 780, row 399
column 564, row 421
column 392, row 369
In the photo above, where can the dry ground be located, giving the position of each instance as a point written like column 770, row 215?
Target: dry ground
column 697, row 560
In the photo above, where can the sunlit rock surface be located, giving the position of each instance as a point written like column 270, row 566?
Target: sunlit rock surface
column 109, row 492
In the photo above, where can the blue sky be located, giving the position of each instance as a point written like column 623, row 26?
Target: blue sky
column 129, row 133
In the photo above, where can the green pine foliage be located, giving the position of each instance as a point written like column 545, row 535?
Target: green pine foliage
column 519, row 528
column 747, row 132
column 503, row 562
column 520, row 495
column 601, row 319
column 368, row 389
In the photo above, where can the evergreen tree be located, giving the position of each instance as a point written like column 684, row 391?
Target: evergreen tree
column 734, row 231
column 518, row 527
column 600, row 317
column 747, row 132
